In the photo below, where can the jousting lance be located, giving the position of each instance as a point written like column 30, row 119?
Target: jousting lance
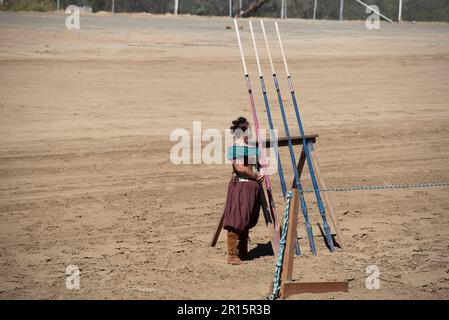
column 326, row 227
column 256, row 126
column 290, row 147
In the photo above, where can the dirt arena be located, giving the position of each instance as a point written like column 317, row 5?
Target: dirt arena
column 86, row 178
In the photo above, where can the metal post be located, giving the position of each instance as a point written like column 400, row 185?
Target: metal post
column 285, row 9
column 57, row 5
column 282, row 8
column 230, row 8
column 314, row 9
column 113, row 6
column 400, row 11
column 176, row 7
column 241, row 7
column 342, row 4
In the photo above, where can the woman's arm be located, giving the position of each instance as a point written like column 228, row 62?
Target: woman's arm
column 247, row 171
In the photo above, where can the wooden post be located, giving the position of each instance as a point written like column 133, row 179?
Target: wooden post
column 216, row 234
column 300, row 167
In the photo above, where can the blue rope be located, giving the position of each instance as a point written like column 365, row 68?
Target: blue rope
column 277, row 271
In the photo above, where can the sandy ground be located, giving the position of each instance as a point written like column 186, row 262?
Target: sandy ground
column 86, row 179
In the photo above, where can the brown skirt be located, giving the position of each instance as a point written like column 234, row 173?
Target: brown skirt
column 242, row 205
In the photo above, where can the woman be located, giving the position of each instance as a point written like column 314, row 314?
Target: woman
column 244, row 192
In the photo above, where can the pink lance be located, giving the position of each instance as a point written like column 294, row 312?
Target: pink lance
column 256, row 126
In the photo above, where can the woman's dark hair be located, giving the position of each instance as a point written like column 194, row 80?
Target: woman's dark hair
column 242, row 124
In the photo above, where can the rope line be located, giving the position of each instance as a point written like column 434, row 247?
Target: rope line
column 382, row 187
column 277, row 271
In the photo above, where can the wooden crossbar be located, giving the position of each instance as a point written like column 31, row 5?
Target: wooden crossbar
column 293, row 287
column 283, row 141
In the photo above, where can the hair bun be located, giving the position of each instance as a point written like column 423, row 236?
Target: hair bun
column 241, row 123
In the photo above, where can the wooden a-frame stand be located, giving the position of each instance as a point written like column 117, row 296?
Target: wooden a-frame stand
column 288, row 285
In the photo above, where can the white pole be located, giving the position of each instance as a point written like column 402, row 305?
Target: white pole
column 342, row 4
column 285, row 10
column 241, row 7
column 282, row 49
column 230, row 8
column 57, row 5
column 314, row 9
column 176, row 6
column 372, row 9
column 400, row 11
column 268, row 47
column 240, row 47
column 255, row 48
column 113, row 6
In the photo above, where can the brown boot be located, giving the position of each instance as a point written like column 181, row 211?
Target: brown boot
column 233, row 243
column 243, row 245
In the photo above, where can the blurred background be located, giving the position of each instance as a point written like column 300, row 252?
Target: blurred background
column 412, row 10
